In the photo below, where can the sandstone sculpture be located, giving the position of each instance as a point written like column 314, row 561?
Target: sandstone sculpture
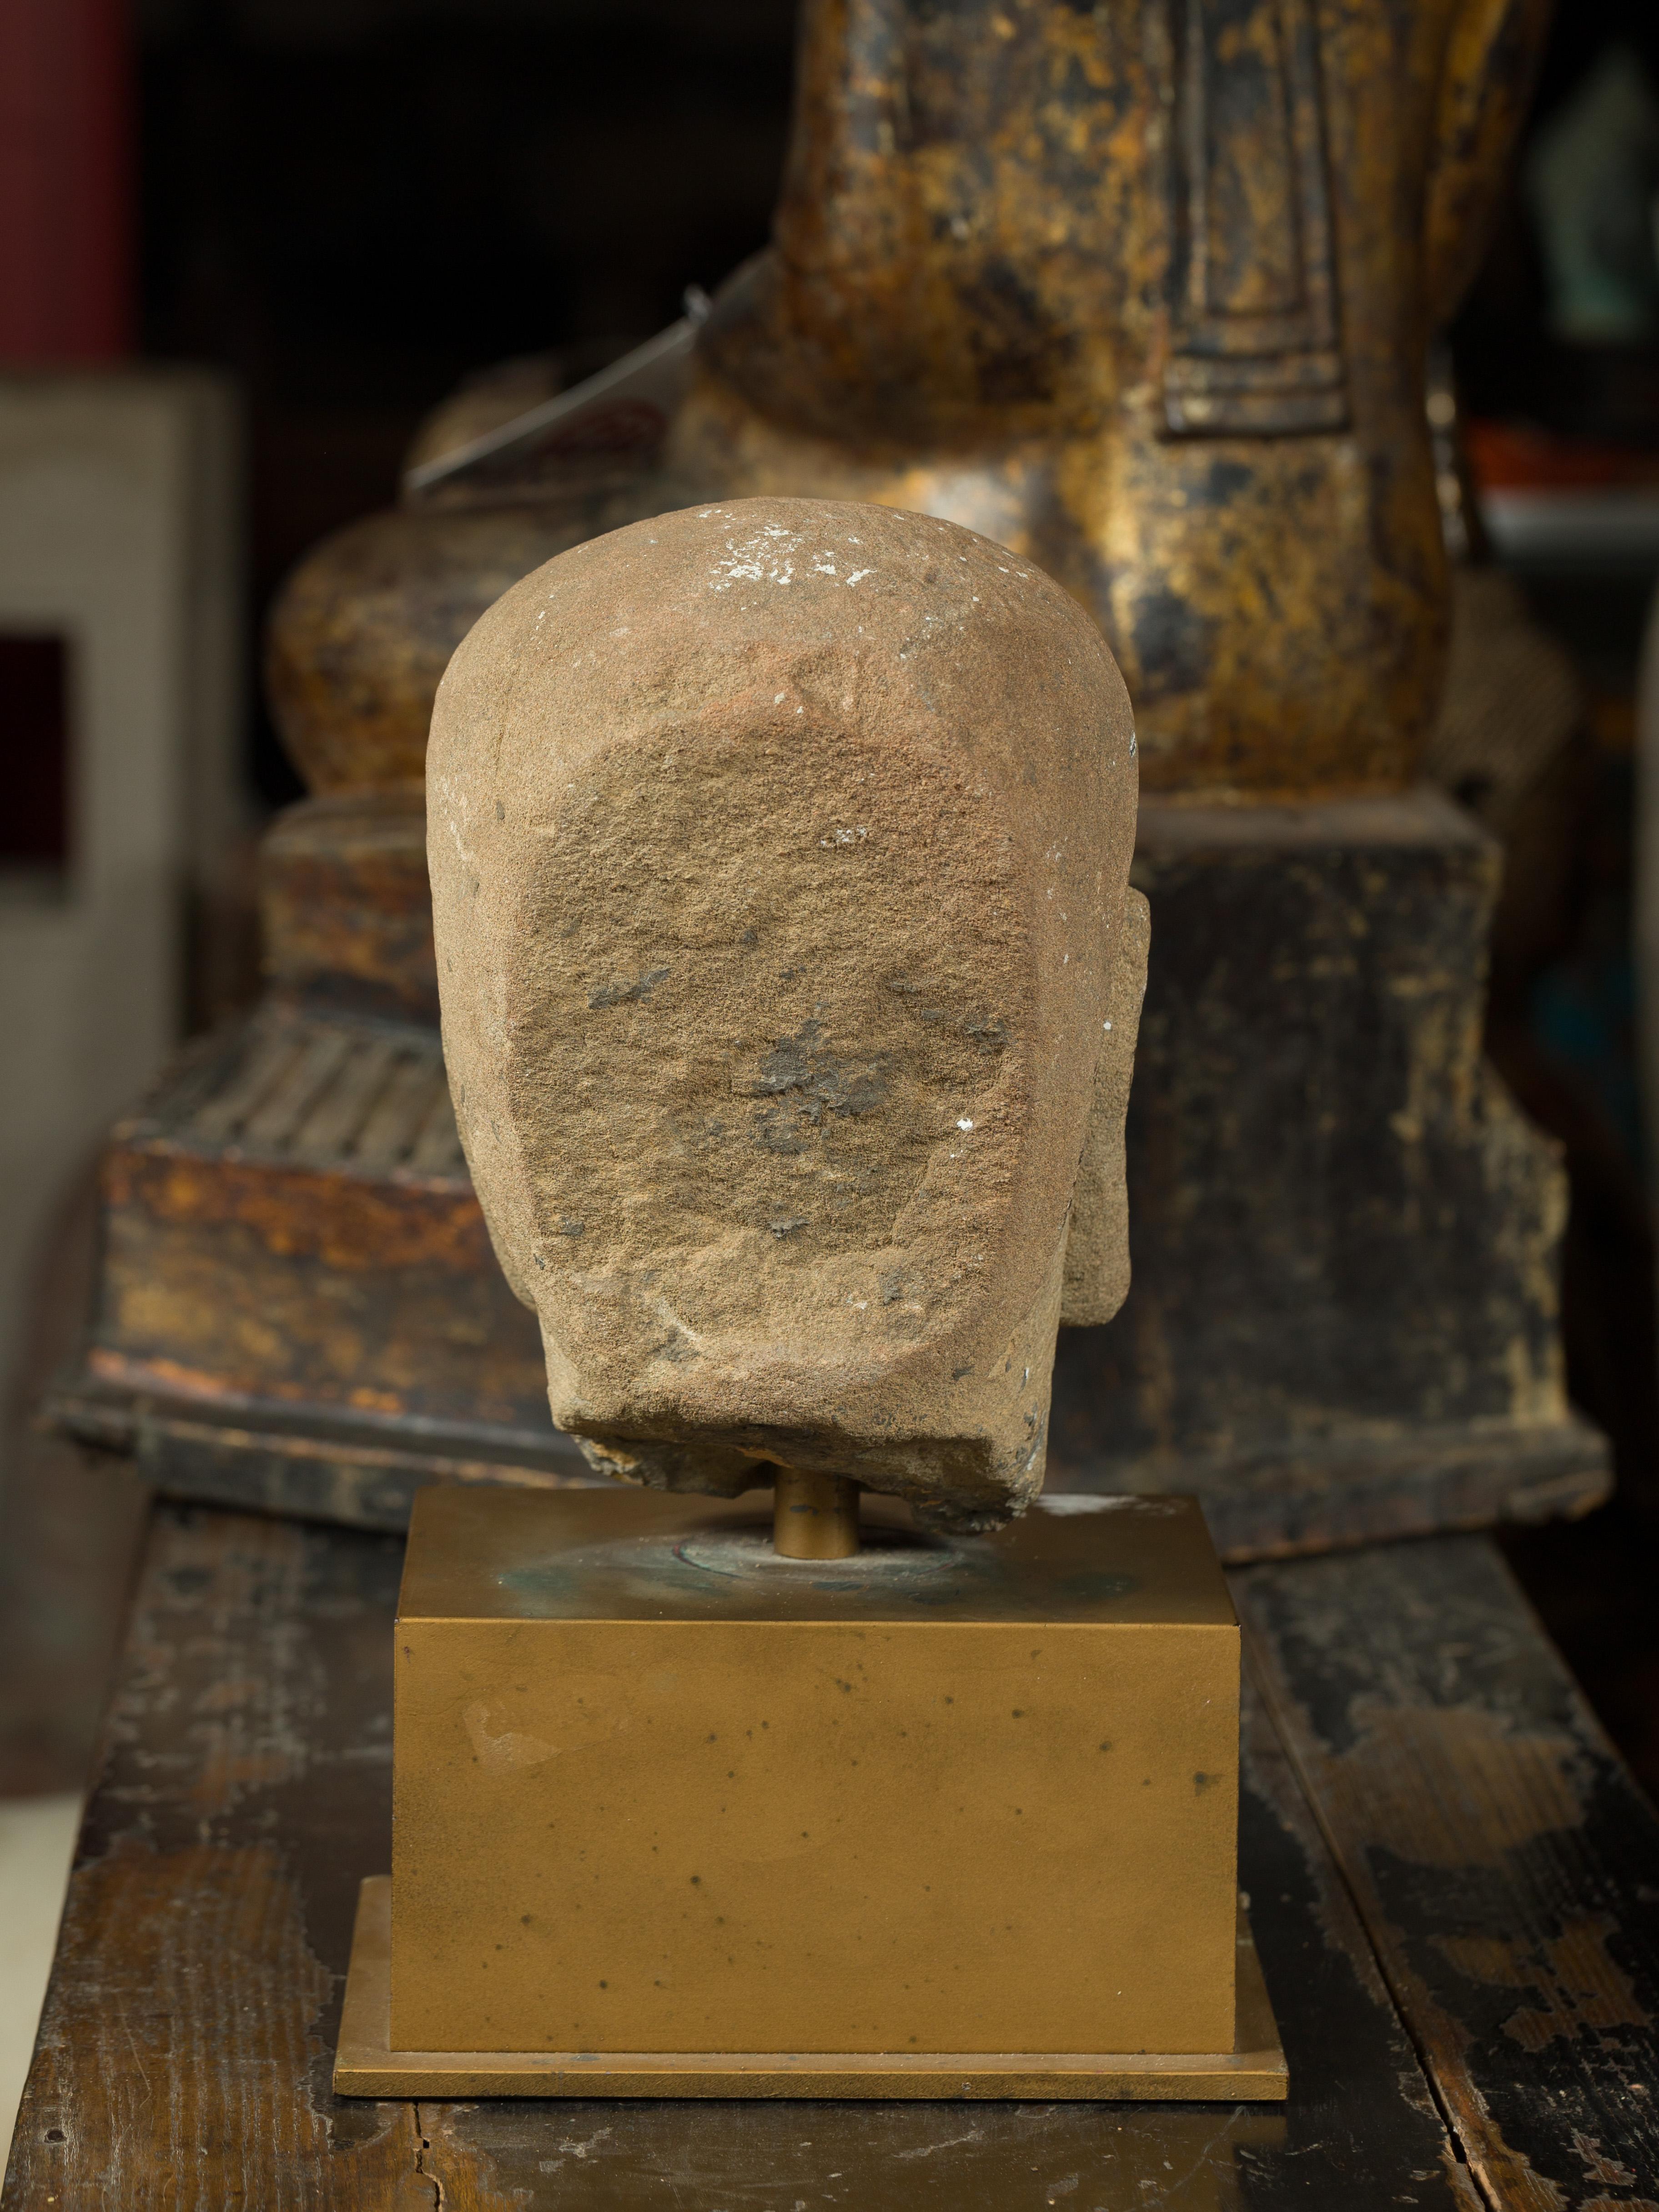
column 789, row 977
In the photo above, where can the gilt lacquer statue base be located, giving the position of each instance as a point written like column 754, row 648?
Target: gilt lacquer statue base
column 678, row 1816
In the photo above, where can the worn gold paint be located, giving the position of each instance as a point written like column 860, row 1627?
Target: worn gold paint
column 210, row 1290
column 1451, row 1819
column 1142, row 295
column 1598, row 2166
column 1455, row 1786
column 364, row 627
column 347, row 1222
column 345, row 909
column 1577, row 1983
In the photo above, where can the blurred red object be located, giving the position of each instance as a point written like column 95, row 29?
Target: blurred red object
column 1521, row 457
column 66, row 182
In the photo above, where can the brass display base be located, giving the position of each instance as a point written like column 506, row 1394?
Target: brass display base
column 1253, row 2072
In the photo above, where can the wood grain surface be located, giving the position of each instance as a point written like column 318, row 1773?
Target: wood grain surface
column 1505, row 1863
column 188, row 2036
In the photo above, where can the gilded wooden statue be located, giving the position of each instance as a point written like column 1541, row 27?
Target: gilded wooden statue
column 1143, row 290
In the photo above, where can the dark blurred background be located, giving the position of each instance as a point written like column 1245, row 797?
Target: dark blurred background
column 1555, row 358
column 350, row 206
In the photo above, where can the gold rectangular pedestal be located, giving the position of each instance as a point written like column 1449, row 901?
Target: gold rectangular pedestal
column 1253, row 2072
column 909, row 1817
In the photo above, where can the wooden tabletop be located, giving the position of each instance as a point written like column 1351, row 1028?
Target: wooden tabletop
column 1455, row 1887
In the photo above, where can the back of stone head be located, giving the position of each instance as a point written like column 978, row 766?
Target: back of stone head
column 779, row 856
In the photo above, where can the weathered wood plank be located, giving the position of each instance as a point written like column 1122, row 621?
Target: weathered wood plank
column 185, row 2045
column 1506, row 1866
column 185, row 2049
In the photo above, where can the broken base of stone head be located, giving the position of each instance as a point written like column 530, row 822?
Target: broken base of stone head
column 790, row 978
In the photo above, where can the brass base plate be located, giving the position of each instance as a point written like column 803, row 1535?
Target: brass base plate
column 366, row 2066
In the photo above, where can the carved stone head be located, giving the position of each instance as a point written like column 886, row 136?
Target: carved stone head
column 789, row 975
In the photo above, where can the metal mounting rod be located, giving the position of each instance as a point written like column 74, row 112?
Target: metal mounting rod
column 814, row 1516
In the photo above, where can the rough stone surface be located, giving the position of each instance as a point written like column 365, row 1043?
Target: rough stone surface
column 1097, row 1247
column 779, row 856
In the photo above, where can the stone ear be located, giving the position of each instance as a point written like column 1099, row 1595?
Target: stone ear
column 1098, row 1245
